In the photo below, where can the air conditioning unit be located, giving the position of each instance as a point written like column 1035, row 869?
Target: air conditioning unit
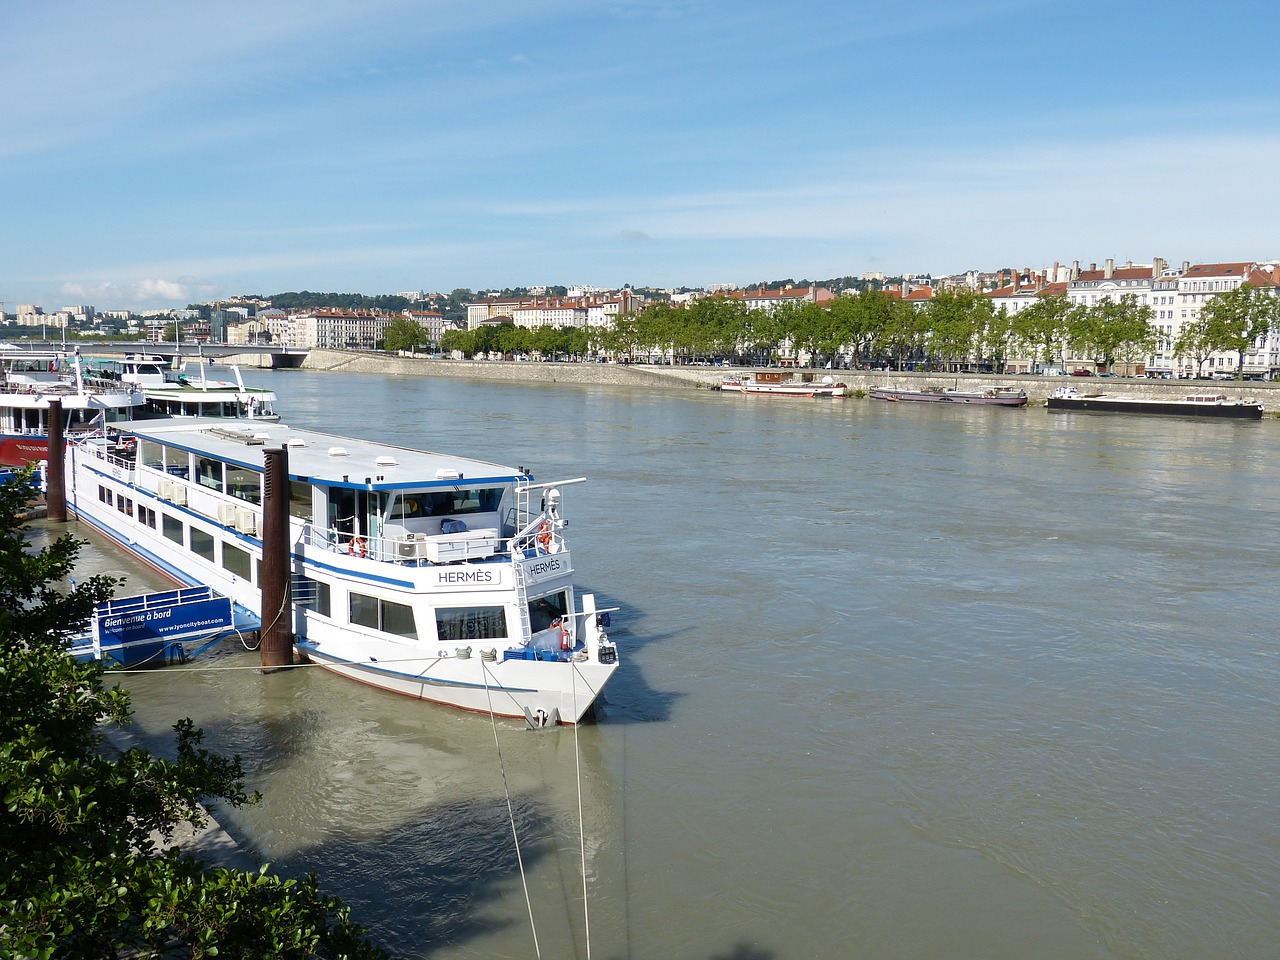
column 164, row 489
column 178, row 493
column 247, row 521
column 415, row 548
column 227, row 514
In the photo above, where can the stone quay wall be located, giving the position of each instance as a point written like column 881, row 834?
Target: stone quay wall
column 677, row 377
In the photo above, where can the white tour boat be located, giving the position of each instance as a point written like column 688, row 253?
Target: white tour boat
column 185, row 392
column 29, row 379
column 433, row 576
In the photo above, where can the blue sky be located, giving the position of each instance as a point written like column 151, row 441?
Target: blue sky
column 152, row 154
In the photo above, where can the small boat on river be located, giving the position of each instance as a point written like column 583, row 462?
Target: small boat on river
column 992, row 396
column 772, row 385
column 1195, row 405
column 29, row 379
column 181, row 391
column 429, row 575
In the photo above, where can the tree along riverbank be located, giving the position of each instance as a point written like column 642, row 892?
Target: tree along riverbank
column 645, row 375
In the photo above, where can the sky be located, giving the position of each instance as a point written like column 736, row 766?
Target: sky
column 155, row 154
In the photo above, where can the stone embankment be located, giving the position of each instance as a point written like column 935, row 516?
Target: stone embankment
column 645, row 375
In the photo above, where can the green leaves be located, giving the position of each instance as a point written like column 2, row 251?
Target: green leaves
column 82, row 875
column 1234, row 320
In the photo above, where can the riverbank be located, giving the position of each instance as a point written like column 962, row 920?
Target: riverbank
column 647, row 375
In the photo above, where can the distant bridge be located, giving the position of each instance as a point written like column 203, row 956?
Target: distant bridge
column 281, row 357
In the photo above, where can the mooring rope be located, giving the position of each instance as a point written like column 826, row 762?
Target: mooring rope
column 582, row 826
column 511, row 814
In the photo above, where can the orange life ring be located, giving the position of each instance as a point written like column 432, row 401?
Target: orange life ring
column 544, row 535
column 356, row 547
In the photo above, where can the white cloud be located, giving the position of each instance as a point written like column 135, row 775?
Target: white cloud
column 137, row 294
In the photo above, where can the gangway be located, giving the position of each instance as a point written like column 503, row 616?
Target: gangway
column 154, row 629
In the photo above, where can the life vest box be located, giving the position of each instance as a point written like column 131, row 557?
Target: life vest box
column 472, row 545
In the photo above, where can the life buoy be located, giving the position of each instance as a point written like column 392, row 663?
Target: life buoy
column 544, row 536
column 356, row 547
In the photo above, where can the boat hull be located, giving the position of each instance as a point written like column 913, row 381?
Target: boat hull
column 18, row 451
column 1168, row 408
column 985, row 398
column 514, row 688
column 819, row 389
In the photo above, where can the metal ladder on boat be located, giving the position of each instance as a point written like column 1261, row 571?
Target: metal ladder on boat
column 522, row 598
column 517, row 560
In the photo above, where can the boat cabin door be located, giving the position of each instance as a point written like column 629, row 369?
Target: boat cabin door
column 354, row 512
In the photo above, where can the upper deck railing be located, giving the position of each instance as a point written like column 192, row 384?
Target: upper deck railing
column 535, row 534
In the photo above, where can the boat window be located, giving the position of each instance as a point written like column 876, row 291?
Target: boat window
column 384, row 615
column 173, row 528
column 209, row 472
column 312, row 594
column 244, row 483
column 364, row 611
column 543, row 611
column 397, row 618
column 447, row 503
column 202, row 543
column 151, row 453
column 177, row 462
column 342, row 510
column 300, row 499
column 236, row 560
column 471, row 623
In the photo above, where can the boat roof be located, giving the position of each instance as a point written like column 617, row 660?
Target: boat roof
column 324, row 458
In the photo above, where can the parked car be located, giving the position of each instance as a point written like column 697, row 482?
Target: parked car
column 1081, row 372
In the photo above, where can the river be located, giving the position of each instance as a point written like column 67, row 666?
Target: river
column 899, row 681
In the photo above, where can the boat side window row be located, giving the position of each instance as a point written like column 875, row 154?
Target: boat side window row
column 125, row 505
column 243, row 483
column 453, row 624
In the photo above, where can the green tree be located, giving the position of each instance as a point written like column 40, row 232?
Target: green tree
column 405, row 334
column 1044, row 326
column 996, row 338
column 1239, row 319
column 1113, row 330
column 956, row 319
column 906, row 332
column 1195, row 342
column 81, row 875
column 457, row 340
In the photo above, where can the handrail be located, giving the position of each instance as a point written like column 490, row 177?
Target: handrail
column 414, row 550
